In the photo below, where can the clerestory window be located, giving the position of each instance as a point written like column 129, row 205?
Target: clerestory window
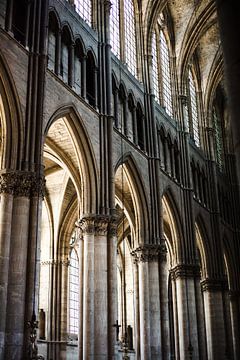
column 161, row 69
column 193, row 117
column 84, row 9
column 122, row 21
column 219, row 149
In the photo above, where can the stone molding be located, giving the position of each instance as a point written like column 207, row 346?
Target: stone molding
column 149, row 253
column 185, row 271
column 214, row 285
column 55, row 262
column 22, row 184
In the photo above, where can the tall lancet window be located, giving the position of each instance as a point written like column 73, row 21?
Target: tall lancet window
column 130, row 36
column 84, row 9
column 219, row 149
column 166, row 75
column 155, row 81
column 73, row 292
column 193, row 109
column 122, row 21
column 114, row 28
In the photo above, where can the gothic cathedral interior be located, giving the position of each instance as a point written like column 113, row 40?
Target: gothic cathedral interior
column 119, row 179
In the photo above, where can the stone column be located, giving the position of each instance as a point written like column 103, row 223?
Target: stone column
column 71, row 67
column 16, row 296
column 112, row 286
column 58, row 52
column 6, row 204
column 184, row 277
column 88, row 229
column 147, row 257
column 164, row 305
column 214, row 318
column 137, row 315
column 95, row 287
column 84, row 77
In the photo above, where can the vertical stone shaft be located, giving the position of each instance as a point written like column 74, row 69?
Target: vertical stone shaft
column 5, row 233
column 215, row 327
column 17, row 280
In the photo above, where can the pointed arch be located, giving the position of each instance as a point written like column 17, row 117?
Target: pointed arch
column 85, row 155
column 203, row 247
column 172, row 227
column 136, row 185
column 11, row 121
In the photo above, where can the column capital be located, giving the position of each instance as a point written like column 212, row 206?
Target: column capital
column 185, row 271
column 93, row 224
column 22, row 183
column 214, row 284
column 149, row 252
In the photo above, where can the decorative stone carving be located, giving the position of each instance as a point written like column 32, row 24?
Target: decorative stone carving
column 185, row 271
column 38, row 186
column 21, row 183
column 94, row 224
column 149, row 252
column 7, row 183
column 101, row 225
column 55, row 262
column 113, row 225
column 87, row 224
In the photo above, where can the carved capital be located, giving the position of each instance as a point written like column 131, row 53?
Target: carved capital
column 214, row 285
column 87, row 224
column 101, row 225
column 149, row 252
column 113, row 225
column 21, row 183
column 7, row 183
column 185, row 271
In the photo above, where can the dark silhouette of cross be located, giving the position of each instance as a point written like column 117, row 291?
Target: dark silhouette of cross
column 117, row 326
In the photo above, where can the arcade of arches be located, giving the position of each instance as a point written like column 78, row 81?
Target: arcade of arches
column 119, row 180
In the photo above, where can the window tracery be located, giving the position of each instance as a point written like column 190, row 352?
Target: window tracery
column 84, row 9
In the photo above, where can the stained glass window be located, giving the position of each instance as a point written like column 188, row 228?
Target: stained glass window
column 73, row 292
column 155, row 67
